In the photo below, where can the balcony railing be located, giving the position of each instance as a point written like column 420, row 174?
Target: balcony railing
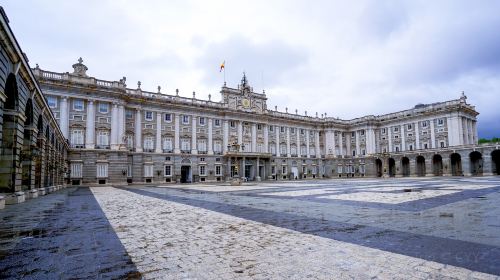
column 167, row 150
column 78, row 146
column 104, row 147
column 202, row 152
column 149, row 150
column 185, row 151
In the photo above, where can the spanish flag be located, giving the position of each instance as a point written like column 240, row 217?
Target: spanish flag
column 222, row 66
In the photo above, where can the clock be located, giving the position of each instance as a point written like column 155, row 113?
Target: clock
column 245, row 102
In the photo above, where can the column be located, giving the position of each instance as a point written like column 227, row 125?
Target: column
column 341, row 146
column 114, row 127
column 138, row 130
column 257, row 177
column 240, row 134
column 90, row 123
column 158, row 147
column 194, row 150
column 242, row 169
column 228, row 170
column 177, row 146
column 316, row 143
column 389, row 138
column 121, row 124
column 64, row 120
column 417, row 136
column 474, row 133
column 299, row 153
column 334, row 144
column 356, row 134
column 463, row 122
column 254, row 137
column 470, row 132
column 288, row 141
column 433, row 135
column 266, row 138
column 308, row 153
column 403, row 138
column 225, row 139
column 460, row 131
column 277, row 132
column 348, row 143
column 210, row 136
column 451, row 128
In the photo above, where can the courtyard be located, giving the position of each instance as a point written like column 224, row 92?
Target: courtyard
column 408, row 228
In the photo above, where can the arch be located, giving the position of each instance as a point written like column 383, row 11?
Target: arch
column 38, row 153
column 186, row 161
column 476, row 163
column 420, row 166
column 378, row 167
column 405, row 166
column 294, row 163
column 12, row 93
column 26, row 159
column 437, row 165
column 392, row 167
column 495, row 162
column 456, row 164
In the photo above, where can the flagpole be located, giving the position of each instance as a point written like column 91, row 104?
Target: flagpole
column 224, row 72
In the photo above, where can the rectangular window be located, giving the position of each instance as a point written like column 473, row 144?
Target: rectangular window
column 217, row 122
column 442, row 144
column 129, row 114
column 148, row 170
column 202, row 145
column 302, row 131
column 203, row 170
column 282, row 129
column 362, row 132
column 409, row 127
column 167, row 144
column 129, row 171
column 76, row 170
column 130, row 141
column 103, row 138
column 202, row 159
column 217, row 146
column 103, row 108
column 283, row 169
column 78, row 105
column 383, row 130
column 185, row 119
column 218, row 170
column 259, row 126
column 352, row 134
column 168, row 117
column 77, row 137
column 440, row 121
column 102, row 170
column 148, row 115
column 202, row 121
column 272, row 149
column 185, row 144
column 396, row 129
column 273, row 170
column 424, row 124
column 425, row 145
column 292, row 130
column 52, row 101
column 232, row 124
column 148, row 142
column 271, row 128
column 339, row 169
column 168, row 170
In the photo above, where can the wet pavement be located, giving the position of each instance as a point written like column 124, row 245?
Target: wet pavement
column 437, row 228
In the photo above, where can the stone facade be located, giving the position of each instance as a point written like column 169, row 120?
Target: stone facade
column 33, row 151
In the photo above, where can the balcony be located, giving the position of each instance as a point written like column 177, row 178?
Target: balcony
column 149, row 150
column 202, row 152
column 102, row 147
column 217, row 153
column 168, row 151
column 77, row 146
column 185, row 151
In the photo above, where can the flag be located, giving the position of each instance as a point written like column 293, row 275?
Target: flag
column 222, row 66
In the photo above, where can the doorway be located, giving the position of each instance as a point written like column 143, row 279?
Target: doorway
column 185, row 174
column 295, row 172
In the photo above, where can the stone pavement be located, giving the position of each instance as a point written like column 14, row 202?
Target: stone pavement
column 446, row 228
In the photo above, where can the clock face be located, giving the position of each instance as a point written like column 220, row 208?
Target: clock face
column 245, row 102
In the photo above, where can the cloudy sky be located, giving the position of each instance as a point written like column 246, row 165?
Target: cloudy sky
column 346, row 58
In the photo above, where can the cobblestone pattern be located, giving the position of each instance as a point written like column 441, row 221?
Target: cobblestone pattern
column 170, row 240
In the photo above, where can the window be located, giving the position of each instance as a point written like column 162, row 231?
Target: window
column 397, row 149
column 203, row 170
column 218, row 170
column 217, row 122
column 148, row 143
column 362, row 132
column 409, row 126
column 312, row 151
column 424, row 124
column 396, row 129
column 425, row 145
column 168, row 117
column 167, row 144
column 283, row 149
column 102, row 170
column 339, row 169
column 363, row 152
column 202, row 159
column 129, row 114
column 353, row 134
column 185, row 144
column 271, row 128
column 185, row 119
column 148, row 170
column 76, row 170
column 148, row 115
column 314, row 170
column 129, row 170
column 52, row 101
column 168, row 159
column 232, row 124
column 293, row 150
column 202, row 121
column 362, row 169
column 103, row 108
column 78, row 105
column 217, row 146
column 259, row 126
column 410, row 134
column 383, row 130
column 202, row 145
column 440, row 121
column 292, row 130
column 302, row 131
column 77, row 137
column 260, row 148
column 130, row 141
column 442, row 144
column 303, row 150
column 273, row 169
column 103, row 138
column 168, row 171
column 396, row 136
column 353, row 153
column 283, row 169
column 272, row 149
column 282, row 129
column 411, row 147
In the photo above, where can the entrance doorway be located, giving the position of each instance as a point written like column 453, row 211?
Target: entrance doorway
column 378, row 164
column 248, row 171
column 295, row 173
column 185, row 174
column 420, row 166
column 456, row 164
column 437, row 165
column 405, row 166
column 476, row 163
column 392, row 167
column 495, row 158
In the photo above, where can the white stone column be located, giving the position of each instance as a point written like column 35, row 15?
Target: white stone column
column 138, row 130
column 114, row 127
column 257, row 177
column 474, row 133
column 417, row 136
column 240, row 134
column 288, row 141
column 194, row 149
column 64, row 118
column 470, row 131
column 433, row 135
column 121, row 123
column 254, row 137
column 266, row 138
column 403, row 138
column 356, row 134
column 225, row 138
column 177, row 127
column 316, row 143
column 334, row 144
column 389, row 138
column 210, row 138
column 90, row 126
column 297, row 130
column 278, row 152
column 308, row 153
column 158, row 146
column 341, row 146
column 460, row 133
column 348, row 143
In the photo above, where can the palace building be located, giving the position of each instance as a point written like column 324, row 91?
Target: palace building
column 72, row 128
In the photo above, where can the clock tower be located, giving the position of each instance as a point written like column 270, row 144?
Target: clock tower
column 244, row 98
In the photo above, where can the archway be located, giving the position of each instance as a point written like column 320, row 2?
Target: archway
column 47, row 156
column 495, row 162
column 456, row 164
column 420, row 166
column 392, row 167
column 26, row 152
column 405, row 165
column 437, row 165
column 38, row 153
column 186, row 173
column 9, row 145
column 476, row 163
column 378, row 167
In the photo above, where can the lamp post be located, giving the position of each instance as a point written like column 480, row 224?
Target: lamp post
column 235, row 147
